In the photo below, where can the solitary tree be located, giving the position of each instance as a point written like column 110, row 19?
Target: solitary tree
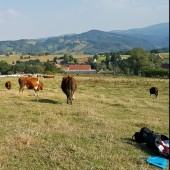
column 138, row 61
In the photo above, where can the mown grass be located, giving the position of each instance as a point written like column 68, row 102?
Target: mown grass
column 94, row 133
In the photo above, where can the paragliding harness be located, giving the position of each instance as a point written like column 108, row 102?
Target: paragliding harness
column 153, row 140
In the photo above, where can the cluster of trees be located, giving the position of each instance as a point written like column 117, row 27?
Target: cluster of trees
column 67, row 58
column 31, row 66
column 35, row 66
column 139, row 62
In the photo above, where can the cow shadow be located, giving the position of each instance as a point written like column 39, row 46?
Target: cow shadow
column 46, row 101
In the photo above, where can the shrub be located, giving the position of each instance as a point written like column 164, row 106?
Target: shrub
column 157, row 73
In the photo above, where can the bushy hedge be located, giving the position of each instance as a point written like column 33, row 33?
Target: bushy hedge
column 157, row 73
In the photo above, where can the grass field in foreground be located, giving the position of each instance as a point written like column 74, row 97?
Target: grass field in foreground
column 94, row 133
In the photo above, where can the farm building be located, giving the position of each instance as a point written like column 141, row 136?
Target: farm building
column 158, row 57
column 80, row 69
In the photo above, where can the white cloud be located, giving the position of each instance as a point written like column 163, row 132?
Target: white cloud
column 61, row 17
column 12, row 13
column 123, row 14
column 8, row 15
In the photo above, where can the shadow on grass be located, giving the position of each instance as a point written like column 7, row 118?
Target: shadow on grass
column 46, row 101
column 141, row 146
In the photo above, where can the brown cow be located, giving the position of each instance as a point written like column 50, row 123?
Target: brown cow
column 8, row 85
column 69, row 86
column 48, row 76
column 31, row 83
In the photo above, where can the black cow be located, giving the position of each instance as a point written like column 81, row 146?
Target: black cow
column 154, row 91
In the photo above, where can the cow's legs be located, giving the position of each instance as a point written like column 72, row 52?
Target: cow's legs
column 21, row 89
column 73, row 97
column 70, row 96
column 156, row 94
column 36, row 92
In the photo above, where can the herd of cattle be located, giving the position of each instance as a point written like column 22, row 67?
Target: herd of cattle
column 68, row 86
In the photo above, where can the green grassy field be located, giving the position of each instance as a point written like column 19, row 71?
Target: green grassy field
column 165, row 57
column 13, row 58
column 94, row 133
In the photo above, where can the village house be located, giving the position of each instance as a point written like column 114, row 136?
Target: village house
column 80, row 69
column 159, row 58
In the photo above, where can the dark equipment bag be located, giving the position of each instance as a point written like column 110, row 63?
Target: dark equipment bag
column 141, row 137
column 153, row 140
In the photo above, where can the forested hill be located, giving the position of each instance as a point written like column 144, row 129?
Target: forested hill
column 94, row 41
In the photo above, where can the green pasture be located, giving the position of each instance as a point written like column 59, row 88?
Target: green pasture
column 165, row 57
column 95, row 133
column 43, row 58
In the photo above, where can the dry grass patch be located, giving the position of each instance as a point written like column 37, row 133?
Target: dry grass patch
column 94, row 133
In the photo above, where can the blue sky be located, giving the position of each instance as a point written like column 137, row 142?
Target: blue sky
column 31, row 19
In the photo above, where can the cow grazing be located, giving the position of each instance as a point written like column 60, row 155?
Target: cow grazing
column 8, row 85
column 69, row 86
column 31, row 83
column 154, row 91
column 48, row 76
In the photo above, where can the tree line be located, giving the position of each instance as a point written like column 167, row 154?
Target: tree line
column 31, row 66
column 139, row 62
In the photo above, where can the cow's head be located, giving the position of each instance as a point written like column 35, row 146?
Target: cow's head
column 40, row 86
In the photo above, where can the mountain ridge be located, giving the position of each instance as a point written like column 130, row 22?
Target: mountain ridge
column 94, row 41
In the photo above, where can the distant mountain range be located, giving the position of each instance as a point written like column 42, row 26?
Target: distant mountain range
column 94, row 41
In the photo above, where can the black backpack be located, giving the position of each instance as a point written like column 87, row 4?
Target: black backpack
column 140, row 137
column 152, row 139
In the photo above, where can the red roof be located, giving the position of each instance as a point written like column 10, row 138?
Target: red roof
column 80, row 67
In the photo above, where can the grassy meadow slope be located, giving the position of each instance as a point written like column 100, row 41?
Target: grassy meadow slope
column 94, row 133
column 13, row 58
column 43, row 58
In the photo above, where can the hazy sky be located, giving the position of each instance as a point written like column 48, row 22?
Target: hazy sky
column 26, row 19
